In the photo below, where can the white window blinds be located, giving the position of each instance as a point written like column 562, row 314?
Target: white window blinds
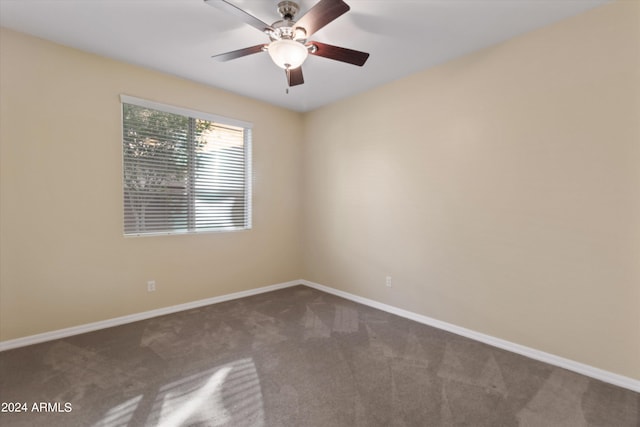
column 183, row 171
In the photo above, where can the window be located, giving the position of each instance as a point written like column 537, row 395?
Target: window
column 183, row 171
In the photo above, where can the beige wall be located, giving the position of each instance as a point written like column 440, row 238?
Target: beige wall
column 64, row 261
column 501, row 191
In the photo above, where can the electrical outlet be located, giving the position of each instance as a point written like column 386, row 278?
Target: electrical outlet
column 151, row 286
column 388, row 282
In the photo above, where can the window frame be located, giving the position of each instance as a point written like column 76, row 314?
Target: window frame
column 192, row 114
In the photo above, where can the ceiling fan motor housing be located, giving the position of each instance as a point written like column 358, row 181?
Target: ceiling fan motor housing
column 284, row 29
column 288, row 9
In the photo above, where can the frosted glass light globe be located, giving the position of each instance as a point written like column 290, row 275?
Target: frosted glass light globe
column 287, row 53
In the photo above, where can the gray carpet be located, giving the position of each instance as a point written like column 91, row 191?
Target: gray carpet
column 295, row 357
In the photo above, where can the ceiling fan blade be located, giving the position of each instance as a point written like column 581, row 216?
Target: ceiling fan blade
column 337, row 53
column 247, row 18
column 294, row 76
column 321, row 14
column 239, row 53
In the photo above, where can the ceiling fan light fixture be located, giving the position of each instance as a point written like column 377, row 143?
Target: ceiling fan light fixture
column 287, row 54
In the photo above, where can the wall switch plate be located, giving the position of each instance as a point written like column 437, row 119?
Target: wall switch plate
column 151, row 286
column 388, row 282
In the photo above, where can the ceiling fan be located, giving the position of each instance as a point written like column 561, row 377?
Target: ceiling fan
column 289, row 45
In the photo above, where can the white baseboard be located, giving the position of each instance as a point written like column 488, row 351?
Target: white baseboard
column 103, row 324
column 581, row 368
column 590, row 371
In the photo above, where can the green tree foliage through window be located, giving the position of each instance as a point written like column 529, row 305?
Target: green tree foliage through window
column 183, row 174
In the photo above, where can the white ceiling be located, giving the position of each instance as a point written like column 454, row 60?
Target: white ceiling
column 179, row 36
